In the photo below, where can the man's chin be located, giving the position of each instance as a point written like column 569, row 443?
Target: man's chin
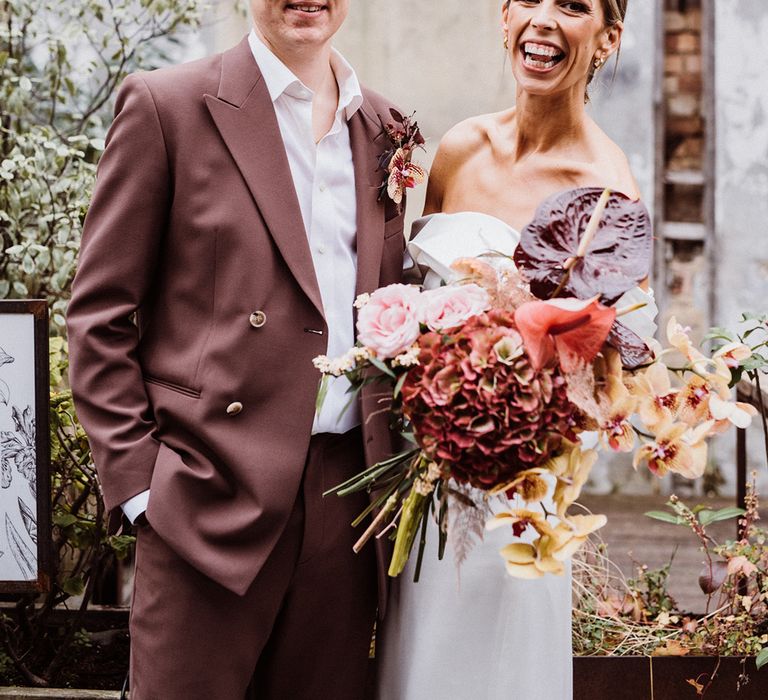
column 309, row 36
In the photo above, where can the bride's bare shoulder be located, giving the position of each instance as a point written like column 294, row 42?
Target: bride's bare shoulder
column 466, row 138
column 461, row 144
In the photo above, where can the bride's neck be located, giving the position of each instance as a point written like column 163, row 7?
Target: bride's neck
column 547, row 122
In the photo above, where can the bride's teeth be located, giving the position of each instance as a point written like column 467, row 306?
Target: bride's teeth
column 540, row 50
column 534, row 63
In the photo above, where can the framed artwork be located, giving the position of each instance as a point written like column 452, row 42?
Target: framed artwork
column 25, row 542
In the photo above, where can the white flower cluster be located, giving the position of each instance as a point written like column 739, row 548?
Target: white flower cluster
column 338, row 366
column 425, row 484
column 362, row 300
column 410, row 358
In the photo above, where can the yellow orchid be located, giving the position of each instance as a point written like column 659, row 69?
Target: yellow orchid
column 678, row 338
column 403, row 174
column 677, row 448
column 657, row 399
column 519, row 519
column 732, row 354
column 573, row 532
column 572, row 469
column 730, row 412
column 529, row 485
column 527, row 561
column 693, row 401
column 616, row 430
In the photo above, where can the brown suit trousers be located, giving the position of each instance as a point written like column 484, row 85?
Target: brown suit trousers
column 305, row 623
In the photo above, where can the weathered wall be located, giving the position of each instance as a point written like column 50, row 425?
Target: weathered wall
column 742, row 157
column 446, row 61
column 741, row 273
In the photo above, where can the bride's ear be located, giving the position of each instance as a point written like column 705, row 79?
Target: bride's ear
column 612, row 39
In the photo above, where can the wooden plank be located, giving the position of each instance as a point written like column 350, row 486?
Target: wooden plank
column 688, row 178
column 684, row 231
column 57, row 694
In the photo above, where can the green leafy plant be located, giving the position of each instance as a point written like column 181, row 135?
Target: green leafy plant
column 60, row 64
column 59, row 67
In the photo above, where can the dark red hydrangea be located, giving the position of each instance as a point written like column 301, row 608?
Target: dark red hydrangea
column 477, row 406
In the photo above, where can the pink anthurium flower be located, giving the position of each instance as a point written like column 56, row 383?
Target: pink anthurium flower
column 574, row 330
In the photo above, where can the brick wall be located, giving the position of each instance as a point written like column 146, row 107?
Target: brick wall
column 683, row 85
column 684, row 155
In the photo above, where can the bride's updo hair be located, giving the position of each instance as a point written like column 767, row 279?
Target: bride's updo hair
column 615, row 11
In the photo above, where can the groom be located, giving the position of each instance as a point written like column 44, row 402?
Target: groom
column 234, row 220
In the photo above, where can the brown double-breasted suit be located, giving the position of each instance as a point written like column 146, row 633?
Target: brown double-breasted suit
column 196, row 314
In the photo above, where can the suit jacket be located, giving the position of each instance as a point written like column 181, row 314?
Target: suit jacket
column 195, row 310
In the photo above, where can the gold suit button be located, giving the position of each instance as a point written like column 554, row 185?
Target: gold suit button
column 258, row 319
column 234, row 408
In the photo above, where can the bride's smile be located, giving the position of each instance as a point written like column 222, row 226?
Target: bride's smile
column 541, row 56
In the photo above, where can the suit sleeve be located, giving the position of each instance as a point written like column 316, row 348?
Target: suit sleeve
column 118, row 255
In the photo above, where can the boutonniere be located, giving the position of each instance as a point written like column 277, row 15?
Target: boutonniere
column 401, row 174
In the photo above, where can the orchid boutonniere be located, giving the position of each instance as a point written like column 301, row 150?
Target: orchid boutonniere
column 401, row 174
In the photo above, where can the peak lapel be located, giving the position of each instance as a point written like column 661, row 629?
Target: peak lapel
column 367, row 143
column 245, row 117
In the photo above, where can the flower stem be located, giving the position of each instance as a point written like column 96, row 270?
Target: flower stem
column 406, row 531
column 756, row 377
column 383, row 513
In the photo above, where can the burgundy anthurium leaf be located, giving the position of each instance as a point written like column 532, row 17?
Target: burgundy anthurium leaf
column 617, row 259
column 712, row 577
column 632, row 349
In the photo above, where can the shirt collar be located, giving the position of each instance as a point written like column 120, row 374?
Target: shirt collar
column 281, row 80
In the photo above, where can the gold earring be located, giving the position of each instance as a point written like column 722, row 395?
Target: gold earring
column 506, row 41
column 599, row 62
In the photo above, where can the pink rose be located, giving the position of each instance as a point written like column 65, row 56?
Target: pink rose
column 449, row 307
column 388, row 324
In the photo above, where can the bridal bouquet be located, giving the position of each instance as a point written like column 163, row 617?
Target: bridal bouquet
column 496, row 379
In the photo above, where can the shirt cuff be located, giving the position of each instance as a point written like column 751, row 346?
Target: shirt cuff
column 135, row 506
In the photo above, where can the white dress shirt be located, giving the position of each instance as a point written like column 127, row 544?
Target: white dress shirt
column 324, row 178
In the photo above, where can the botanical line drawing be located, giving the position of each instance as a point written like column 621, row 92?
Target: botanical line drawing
column 18, row 448
column 29, row 519
column 5, row 392
column 20, row 550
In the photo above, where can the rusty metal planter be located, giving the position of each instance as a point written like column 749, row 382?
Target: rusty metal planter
column 666, row 678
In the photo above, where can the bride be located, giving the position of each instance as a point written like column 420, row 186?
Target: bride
column 479, row 634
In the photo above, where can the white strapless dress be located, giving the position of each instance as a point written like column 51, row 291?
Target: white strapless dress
column 476, row 633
